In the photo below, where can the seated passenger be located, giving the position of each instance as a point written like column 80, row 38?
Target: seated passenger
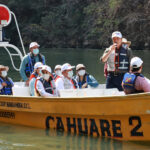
column 6, row 83
column 34, row 75
column 83, row 78
column 45, row 85
column 66, row 81
column 134, row 81
column 57, row 71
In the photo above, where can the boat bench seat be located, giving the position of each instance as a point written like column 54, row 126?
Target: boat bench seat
column 20, row 89
column 90, row 92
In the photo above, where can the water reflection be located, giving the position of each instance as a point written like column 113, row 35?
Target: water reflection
column 78, row 142
column 15, row 137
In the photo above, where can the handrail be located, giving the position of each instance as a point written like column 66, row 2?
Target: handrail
column 19, row 33
column 5, row 45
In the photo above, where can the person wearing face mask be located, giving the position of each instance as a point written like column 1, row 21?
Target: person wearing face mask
column 37, row 72
column 118, row 59
column 45, row 84
column 125, row 43
column 28, row 62
column 66, row 81
column 57, row 72
column 83, row 78
column 6, row 83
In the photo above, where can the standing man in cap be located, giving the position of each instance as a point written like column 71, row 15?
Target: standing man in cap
column 117, row 58
column 27, row 65
column 6, row 83
column 36, row 73
column 45, row 85
column 83, row 78
column 134, row 81
column 66, row 81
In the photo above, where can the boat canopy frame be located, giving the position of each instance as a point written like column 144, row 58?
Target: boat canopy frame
column 7, row 45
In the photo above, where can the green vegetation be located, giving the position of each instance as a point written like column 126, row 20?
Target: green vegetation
column 80, row 23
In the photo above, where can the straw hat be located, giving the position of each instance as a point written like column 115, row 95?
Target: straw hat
column 124, row 41
column 2, row 68
column 79, row 66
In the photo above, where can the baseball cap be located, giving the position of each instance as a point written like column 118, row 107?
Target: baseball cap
column 116, row 34
column 38, row 65
column 66, row 66
column 79, row 66
column 32, row 44
column 57, row 67
column 136, row 62
column 47, row 68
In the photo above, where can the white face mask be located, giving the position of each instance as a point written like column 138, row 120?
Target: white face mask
column 46, row 76
column 70, row 74
column 81, row 72
column 58, row 72
column 4, row 73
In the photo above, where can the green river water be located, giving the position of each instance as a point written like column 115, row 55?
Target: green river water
column 13, row 137
column 89, row 57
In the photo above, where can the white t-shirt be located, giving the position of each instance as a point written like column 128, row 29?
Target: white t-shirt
column 63, row 83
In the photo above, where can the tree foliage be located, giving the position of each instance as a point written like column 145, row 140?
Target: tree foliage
column 80, row 23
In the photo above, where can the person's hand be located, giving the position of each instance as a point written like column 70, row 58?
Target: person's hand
column 27, row 83
column 84, row 85
column 4, row 84
column 113, row 47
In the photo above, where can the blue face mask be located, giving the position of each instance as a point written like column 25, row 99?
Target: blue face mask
column 124, row 45
column 35, row 51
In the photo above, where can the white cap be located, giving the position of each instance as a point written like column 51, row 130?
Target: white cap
column 66, row 66
column 38, row 65
column 32, row 44
column 47, row 68
column 79, row 66
column 136, row 62
column 57, row 67
column 116, row 34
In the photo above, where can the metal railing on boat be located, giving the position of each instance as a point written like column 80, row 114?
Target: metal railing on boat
column 6, row 15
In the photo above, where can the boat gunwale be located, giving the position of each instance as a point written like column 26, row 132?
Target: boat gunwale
column 75, row 99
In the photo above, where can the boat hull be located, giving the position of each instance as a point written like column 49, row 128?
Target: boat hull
column 118, row 117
